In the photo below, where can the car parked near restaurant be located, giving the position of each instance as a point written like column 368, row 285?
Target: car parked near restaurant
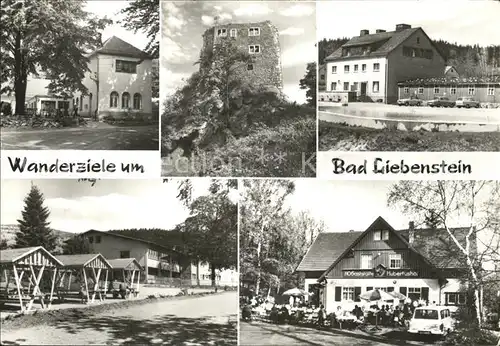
column 467, row 102
column 432, row 320
column 441, row 101
column 411, row 101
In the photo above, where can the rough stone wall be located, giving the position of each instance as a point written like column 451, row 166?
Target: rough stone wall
column 267, row 68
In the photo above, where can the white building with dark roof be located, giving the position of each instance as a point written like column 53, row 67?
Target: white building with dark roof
column 118, row 82
column 421, row 264
column 370, row 65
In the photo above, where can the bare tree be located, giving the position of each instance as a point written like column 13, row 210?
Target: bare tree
column 449, row 203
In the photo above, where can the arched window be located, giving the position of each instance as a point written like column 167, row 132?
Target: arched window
column 137, row 101
column 81, row 102
column 113, row 100
column 125, row 100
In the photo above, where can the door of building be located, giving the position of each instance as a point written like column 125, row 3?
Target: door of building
column 363, row 88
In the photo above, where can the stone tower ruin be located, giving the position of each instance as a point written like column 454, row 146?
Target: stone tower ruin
column 261, row 40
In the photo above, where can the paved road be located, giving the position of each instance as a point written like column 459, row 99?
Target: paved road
column 262, row 334
column 192, row 321
column 106, row 138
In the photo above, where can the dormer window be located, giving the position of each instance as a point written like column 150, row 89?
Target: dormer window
column 381, row 235
column 254, row 31
column 233, row 33
column 222, row 32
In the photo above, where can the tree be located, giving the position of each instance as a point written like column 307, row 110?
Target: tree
column 212, row 226
column 476, row 203
column 219, row 70
column 50, row 37
column 155, row 79
column 34, row 228
column 262, row 202
column 309, row 84
column 76, row 245
column 144, row 16
column 3, row 244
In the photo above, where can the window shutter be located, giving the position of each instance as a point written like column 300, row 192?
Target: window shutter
column 338, row 293
column 369, row 288
column 357, row 292
column 402, row 290
column 425, row 293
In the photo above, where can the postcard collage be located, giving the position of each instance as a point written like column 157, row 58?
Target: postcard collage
column 250, row 172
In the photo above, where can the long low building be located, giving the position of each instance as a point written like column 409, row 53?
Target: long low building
column 422, row 264
column 482, row 89
column 162, row 264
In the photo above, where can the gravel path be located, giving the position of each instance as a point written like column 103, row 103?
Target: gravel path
column 206, row 320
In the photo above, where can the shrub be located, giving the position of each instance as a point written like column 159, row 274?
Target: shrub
column 471, row 336
column 267, row 151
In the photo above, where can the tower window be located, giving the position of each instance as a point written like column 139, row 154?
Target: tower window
column 254, row 32
column 254, row 49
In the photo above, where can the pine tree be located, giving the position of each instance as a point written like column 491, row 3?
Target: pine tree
column 34, row 228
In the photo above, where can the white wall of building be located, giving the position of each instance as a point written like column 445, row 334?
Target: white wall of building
column 369, row 76
column 435, row 293
column 110, row 80
column 104, row 67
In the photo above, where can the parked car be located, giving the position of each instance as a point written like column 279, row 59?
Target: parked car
column 441, row 102
column 435, row 320
column 411, row 101
column 467, row 102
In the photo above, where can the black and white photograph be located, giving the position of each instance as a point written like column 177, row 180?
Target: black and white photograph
column 80, row 75
column 421, row 77
column 238, row 89
column 369, row 262
column 119, row 262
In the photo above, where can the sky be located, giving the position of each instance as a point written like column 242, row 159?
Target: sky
column 354, row 205
column 461, row 21
column 110, row 204
column 111, row 10
column 183, row 24
column 345, row 205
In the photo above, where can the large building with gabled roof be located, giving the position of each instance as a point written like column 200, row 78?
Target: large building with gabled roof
column 422, row 264
column 118, row 82
column 371, row 65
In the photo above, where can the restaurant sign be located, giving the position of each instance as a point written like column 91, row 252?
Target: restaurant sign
column 381, row 272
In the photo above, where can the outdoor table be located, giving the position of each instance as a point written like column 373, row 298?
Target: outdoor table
column 346, row 319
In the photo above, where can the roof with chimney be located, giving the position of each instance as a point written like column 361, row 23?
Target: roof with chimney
column 117, row 46
column 383, row 42
column 433, row 244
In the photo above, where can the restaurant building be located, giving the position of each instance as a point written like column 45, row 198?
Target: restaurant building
column 422, row 264
column 482, row 89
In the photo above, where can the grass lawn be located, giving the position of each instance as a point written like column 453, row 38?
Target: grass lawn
column 341, row 137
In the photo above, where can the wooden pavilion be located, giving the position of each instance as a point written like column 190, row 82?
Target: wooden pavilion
column 81, row 277
column 129, row 270
column 27, row 266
